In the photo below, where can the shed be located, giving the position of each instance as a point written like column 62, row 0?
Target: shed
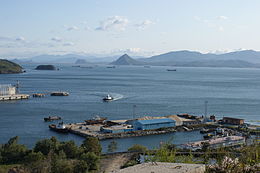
column 234, row 121
column 153, row 124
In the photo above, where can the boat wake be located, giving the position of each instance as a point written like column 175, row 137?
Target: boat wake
column 116, row 96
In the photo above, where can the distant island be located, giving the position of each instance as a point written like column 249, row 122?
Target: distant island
column 126, row 60
column 9, row 67
column 45, row 67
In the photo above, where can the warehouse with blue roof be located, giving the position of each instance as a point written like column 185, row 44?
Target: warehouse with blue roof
column 153, row 124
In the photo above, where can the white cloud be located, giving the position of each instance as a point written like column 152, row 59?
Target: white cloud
column 56, row 39
column 132, row 52
column 2, row 38
column 197, row 18
column 211, row 23
column 222, row 17
column 68, row 44
column 20, row 39
column 87, row 28
column 220, row 28
column 72, row 28
column 117, row 23
column 144, row 24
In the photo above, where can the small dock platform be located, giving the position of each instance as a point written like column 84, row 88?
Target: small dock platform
column 14, row 97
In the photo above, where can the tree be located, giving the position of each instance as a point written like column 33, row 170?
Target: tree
column 112, row 146
column 33, row 157
column 91, row 159
column 70, row 148
column 46, row 145
column 91, row 144
column 62, row 166
column 12, row 152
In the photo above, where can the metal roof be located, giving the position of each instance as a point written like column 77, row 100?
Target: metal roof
column 156, row 121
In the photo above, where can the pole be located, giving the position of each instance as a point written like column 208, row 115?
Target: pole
column 134, row 106
column 206, row 108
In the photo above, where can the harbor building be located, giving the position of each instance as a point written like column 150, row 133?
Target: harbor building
column 11, row 92
column 153, row 124
column 7, row 89
column 117, row 129
column 233, row 121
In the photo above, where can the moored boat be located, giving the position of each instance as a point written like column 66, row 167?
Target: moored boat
column 206, row 130
column 59, row 128
column 59, row 94
column 208, row 136
column 52, row 118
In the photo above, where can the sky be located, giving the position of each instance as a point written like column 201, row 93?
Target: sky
column 136, row 27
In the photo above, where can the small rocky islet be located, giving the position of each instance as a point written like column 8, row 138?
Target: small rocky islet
column 9, row 67
column 46, row 67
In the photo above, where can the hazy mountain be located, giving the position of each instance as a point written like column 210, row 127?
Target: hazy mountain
column 126, row 60
column 247, row 58
column 81, row 61
column 68, row 58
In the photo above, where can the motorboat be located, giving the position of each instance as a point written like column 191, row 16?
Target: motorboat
column 108, row 98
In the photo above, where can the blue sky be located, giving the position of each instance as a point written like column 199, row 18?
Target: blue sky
column 137, row 27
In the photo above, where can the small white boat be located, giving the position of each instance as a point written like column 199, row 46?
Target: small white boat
column 108, row 98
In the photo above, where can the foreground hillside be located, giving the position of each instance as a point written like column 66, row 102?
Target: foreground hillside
column 8, row 67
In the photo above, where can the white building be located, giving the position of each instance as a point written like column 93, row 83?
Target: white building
column 7, row 90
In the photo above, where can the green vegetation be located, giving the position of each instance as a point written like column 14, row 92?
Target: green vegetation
column 138, row 148
column 8, row 67
column 222, row 160
column 51, row 156
column 112, row 147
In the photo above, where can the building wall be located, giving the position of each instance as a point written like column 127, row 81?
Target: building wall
column 7, row 90
column 233, row 121
column 140, row 126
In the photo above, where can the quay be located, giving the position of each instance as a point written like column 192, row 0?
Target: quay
column 84, row 130
column 102, row 128
column 227, row 141
column 14, row 97
column 110, row 129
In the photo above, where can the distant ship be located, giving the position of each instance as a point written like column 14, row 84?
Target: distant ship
column 171, row 69
column 111, row 66
column 108, row 98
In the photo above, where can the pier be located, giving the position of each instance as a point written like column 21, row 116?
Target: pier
column 14, row 97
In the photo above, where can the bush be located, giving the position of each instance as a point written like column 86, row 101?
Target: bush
column 91, row 159
column 81, row 167
column 138, row 148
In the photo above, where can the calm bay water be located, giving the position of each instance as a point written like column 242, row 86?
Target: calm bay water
column 155, row 91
